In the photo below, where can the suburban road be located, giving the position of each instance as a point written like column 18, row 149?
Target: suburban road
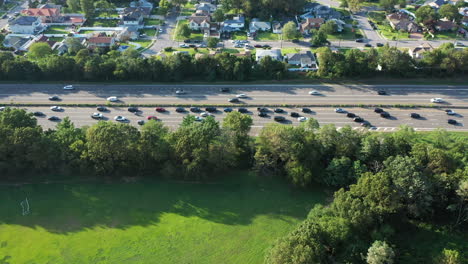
column 430, row 118
column 257, row 94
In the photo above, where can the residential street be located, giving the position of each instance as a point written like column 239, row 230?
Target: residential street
column 164, row 39
column 18, row 8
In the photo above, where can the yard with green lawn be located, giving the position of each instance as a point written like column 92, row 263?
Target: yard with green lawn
column 149, row 32
column 152, row 22
column 107, row 14
column 234, row 220
column 58, row 30
column 101, row 23
column 389, row 33
column 267, row 36
column 239, row 35
column 447, row 35
column 144, row 43
column 346, row 34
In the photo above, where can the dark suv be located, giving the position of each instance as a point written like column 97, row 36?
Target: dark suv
column 211, row 109
column 279, row 118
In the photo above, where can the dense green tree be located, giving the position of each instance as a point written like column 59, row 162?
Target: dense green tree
column 74, row 5
column 218, row 15
column 426, row 15
column 319, row 38
column 183, row 31
column 87, row 7
column 388, row 5
column 380, row 253
column 450, row 12
column 290, row 31
column 212, row 42
column 153, row 147
column 329, row 27
column 39, row 50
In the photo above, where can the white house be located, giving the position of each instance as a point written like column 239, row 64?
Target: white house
column 256, row 25
column 275, row 54
column 277, row 28
column 235, row 24
column 199, row 22
column 206, row 7
column 304, row 59
column 418, row 52
column 26, row 25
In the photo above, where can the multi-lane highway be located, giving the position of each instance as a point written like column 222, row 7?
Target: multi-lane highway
column 257, row 94
column 430, row 118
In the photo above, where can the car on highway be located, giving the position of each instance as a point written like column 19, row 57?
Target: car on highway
column 180, row 110
column 294, row 114
column 340, row 110
column 225, row 89
column 68, row 87
column 385, row 114
column 366, row 124
column 37, row 113
column 205, row 114
column 120, row 118
column 380, row 45
column 306, row 110
column 241, row 96
column 378, row 110
column 152, row 117
column 56, row 108
column 97, row 116
column 381, row 92
column 179, row 92
column 198, row 118
column 141, row 122
column 101, row 108
column 234, row 100
column 258, row 46
column 450, row 112
column 160, row 109
column 359, row 40
column 415, row 115
column 279, row 118
column 314, row 93
column 112, row 99
column 54, row 98
column 211, row 109
column 195, row 109
column 53, row 118
column 367, row 45
column 242, row 110
column 227, row 110
column 358, row 119
column 302, row 119
column 183, row 45
column 351, row 115
column 452, row 121
column 278, row 110
column 262, row 114
column 132, row 109
column 262, row 109
column 437, row 100
column 266, row 46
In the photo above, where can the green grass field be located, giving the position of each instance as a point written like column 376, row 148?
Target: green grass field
column 153, row 221
column 265, row 36
column 57, row 30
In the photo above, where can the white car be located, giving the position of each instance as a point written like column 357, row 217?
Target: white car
column 205, row 114
column 68, row 87
column 56, row 108
column 437, row 100
column 180, row 92
column 2, row 108
column 112, row 99
column 183, row 46
column 302, row 119
column 314, row 93
column 97, row 116
column 241, row 96
column 339, row 110
column 120, row 118
column 450, row 112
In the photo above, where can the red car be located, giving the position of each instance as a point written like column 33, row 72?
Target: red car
column 160, row 109
column 152, row 118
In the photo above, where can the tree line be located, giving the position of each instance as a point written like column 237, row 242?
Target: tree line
column 383, row 180
column 84, row 65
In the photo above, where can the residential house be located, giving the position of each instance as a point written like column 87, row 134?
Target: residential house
column 142, row 3
column 16, row 42
column 201, row 13
column 310, row 6
column 340, row 24
column 26, row 25
column 303, row 59
column 277, row 28
column 50, row 5
column 206, row 7
column 133, row 18
column 199, row 22
column 326, row 12
column 235, row 24
column 445, row 25
column 144, row 11
column 311, row 23
column 465, row 21
column 47, row 15
column 127, row 33
column 402, row 21
column 417, row 53
column 464, row 12
column 275, row 54
column 435, row 3
column 100, row 41
column 60, row 47
column 257, row 25
column 45, row 39
column 73, row 19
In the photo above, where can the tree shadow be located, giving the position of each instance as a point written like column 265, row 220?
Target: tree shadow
column 235, row 200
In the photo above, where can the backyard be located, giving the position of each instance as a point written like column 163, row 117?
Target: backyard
column 58, row 30
column 231, row 221
column 152, row 22
column 194, row 35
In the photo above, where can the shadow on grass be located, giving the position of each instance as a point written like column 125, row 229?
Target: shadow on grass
column 235, row 200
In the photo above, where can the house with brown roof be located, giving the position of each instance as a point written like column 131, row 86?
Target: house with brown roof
column 199, row 22
column 100, row 41
column 311, row 23
column 47, row 15
column 445, row 25
column 45, row 39
column 417, row 53
column 402, row 21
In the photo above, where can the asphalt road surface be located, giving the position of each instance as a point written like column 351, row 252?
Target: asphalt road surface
column 430, row 118
column 268, row 94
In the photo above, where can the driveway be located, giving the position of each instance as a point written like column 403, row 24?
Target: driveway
column 163, row 39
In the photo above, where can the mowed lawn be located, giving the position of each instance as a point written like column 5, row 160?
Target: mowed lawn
column 150, row 221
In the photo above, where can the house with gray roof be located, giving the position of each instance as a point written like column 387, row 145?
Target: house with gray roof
column 206, row 7
column 26, row 25
column 303, row 59
column 274, row 54
column 257, row 25
column 235, row 24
